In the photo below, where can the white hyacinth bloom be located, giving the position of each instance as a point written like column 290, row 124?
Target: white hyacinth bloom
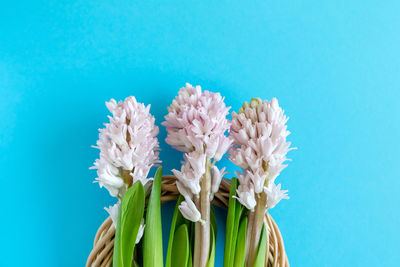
column 259, row 148
column 245, row 192
column 113, row 212
column 189, row 210
column 274, row 194
column 216, row 177
column 140, row 232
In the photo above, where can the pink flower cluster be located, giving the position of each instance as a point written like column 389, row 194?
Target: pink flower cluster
column 259, row 134
column 128, row 149
column 196, row 124
column 128, row 146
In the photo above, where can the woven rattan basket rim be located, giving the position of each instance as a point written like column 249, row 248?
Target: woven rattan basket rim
column 101, row 254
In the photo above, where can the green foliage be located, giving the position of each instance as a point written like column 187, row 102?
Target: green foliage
column 190, row 262
column 230, row 222
column 211, row 259
column 262, row 248
column 213, row 220
column 177, row 221
column 235, row 211
column 240, row 255
column 180, row 247
column 152, row 243
column 129, row 219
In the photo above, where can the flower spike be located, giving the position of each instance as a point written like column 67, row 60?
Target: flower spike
column 128, row 149
column 259, row 148
column 128, row 146
column 196, row 124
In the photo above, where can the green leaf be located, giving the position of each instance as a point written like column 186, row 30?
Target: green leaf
column 238, row 216
column 230, row 223
column 235, row 211
column 190, row 261
column 177, row 220
column 213, row 220
column 211, row 259
column 262, row 249
column 152, row 243
column 240, row 252
column 129, row 219
column 191, row 227
column 192, row 231
column 180, row 247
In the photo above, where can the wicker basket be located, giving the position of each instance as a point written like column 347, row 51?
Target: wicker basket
column 102, row 252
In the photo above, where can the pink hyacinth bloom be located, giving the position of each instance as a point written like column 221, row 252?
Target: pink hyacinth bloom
column 196, row 124
column 128, row 146
column 128, row 149
column 259, row 148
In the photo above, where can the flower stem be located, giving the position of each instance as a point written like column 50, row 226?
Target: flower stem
column 197, row 239
column 203, row 247
column 257, row 217
column 250, row 220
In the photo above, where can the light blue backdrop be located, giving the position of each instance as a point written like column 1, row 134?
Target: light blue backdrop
column 334, row 66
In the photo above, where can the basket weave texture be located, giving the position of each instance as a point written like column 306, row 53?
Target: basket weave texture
column 102, row 252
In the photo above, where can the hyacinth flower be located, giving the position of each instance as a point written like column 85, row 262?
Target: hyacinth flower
column 259, row 148
column 128, row 150
column 196, row 124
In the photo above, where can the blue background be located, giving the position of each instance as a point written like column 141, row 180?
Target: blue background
column 334, row 66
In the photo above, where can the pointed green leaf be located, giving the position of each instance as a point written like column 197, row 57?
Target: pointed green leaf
column 211, row 259
column 238, row 215
column 180, row 247
column 213, row 220
column 129, row 219
column 240, row 252
column 262, row 249
column 152, row 243
column 191, row 227
column 190, row 261
column 177, row 220
column 230, row 223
